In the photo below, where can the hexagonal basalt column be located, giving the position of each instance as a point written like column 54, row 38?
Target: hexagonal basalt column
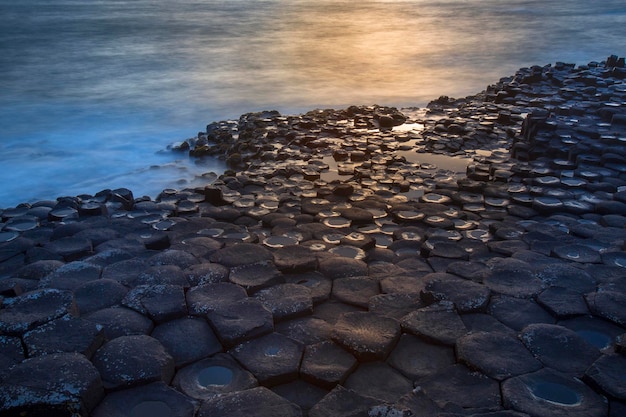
column 159, row 302
column 548, row 393
column 209, row 297
column 55, row 383
column 66, row 334
column 286, row 301
column 187, row 339
column 254, row 277
column 437, row 323
column 459, row 385
column 326, row 364
column 467, row 296
column 364, row 381
column 273, row 359
column 241, row 321
column 210, row 377
column 367, row 336
column 31, row 309
column 155, row 399
column 559, row 348
column 497, row 355
column 260, row 402
column 608, row 374
column 133, row 360
column 415, row 358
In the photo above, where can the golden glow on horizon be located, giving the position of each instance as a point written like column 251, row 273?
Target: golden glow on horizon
column 366, row 51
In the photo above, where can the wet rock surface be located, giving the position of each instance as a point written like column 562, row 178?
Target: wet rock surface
column 337, row 270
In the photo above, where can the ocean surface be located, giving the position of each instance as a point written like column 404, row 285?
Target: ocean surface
column 93, row 92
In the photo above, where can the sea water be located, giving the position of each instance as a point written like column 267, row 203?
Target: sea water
column 93, row 92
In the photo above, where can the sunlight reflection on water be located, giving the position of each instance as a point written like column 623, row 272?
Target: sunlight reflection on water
column 95, row 90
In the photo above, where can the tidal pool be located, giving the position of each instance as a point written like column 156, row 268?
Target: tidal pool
column 555, row 393
column 215, row 375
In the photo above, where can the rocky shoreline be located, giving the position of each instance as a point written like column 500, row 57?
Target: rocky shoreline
column 335, row 271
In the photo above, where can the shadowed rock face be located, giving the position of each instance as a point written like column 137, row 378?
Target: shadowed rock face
column 339, row 272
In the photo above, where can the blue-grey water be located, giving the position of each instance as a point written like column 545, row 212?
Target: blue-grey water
column 92, row 92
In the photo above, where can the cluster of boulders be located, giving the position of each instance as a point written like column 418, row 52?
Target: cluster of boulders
column 331, row 273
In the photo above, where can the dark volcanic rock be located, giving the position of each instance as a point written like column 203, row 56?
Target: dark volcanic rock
column 66, row 334
column 34, row 308
column 559, row 348
column 256, row 276
column 152, row 399
column 482, row 322
column 395, row 306
column 415, row 403
column 11, row 353
column 258, row 401
column 497, row 355
column 241, row 254
column 416, row 358
column 295, row 259
column 70, row 248
column 355, row 290
column 120, row 321
column 467, row 296
column 339, row 267
column 273, row 359
column 547, row 393
column 437, row 323
column 286, row 301
column 609, row 305
column 160, row 275
column 343, row 402
column 607, row 375
column 319, row 285
column 367, row 336
column 577, row 253
column 125, row 272
column 187, row 339
column 462, row 387
column 326, row 364
column 133, row 360
column 39, row 269
column 209, row 297
column 179, row 258
column 513, row 278
column 59, row 384
column 301, row 393
column 159, row 302
column 395, row 386
column 219, row 374
column 206, row 273
column 306, row 330
column 517, row 313
column 98, row 294
column 71, row 276
column 598, row 332
column 563, row 302
column 327, row 216
column 242, row 320
column 567, row 276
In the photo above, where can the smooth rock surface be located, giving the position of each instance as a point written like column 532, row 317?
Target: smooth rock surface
column 133, row 360
column 367, row 336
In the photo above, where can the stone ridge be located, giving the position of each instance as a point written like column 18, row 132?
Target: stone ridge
column 334, row 270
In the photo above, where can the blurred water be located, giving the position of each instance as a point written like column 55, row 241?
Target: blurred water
column 91, row 93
